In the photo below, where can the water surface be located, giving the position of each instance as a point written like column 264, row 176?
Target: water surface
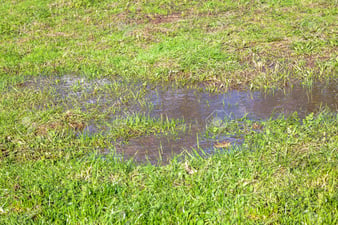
column 201, row 108
column 198, row 108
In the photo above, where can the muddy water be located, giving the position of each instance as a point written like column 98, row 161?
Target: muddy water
column 71, row 91
column 193, row 105
column 197, row 108
column 201, row 108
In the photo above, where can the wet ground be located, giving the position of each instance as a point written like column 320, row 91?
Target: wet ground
column 203, row 108
column 194, row 105
column 197, row 108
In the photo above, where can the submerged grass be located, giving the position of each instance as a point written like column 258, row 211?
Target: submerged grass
column 286, row 173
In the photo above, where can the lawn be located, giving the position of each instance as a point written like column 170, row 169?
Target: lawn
column 68, row 64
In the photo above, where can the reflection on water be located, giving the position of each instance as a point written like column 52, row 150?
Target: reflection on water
column 161, row 148
column 198, row 107
column 193, row 105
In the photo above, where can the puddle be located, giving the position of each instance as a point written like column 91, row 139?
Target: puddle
column 195, row 107
column 202, row 108
column 71, row 91
column 161, row 149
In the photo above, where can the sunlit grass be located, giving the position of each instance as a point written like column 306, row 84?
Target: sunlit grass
column 219, row 43
column 285, row 173
column 75, row 79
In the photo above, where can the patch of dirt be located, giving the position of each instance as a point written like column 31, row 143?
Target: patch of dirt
column 69, row 120
column 128, row 17
column 179, row 75
column 43, row 129
column 282, row 46
column 165, row 19
column 311, row 60
column 24, row 84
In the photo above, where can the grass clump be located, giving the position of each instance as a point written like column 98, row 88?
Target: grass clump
column 139, row 125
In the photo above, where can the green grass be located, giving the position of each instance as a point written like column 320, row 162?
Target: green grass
column 217, row 43
column 66, row 65
column 284, row 174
